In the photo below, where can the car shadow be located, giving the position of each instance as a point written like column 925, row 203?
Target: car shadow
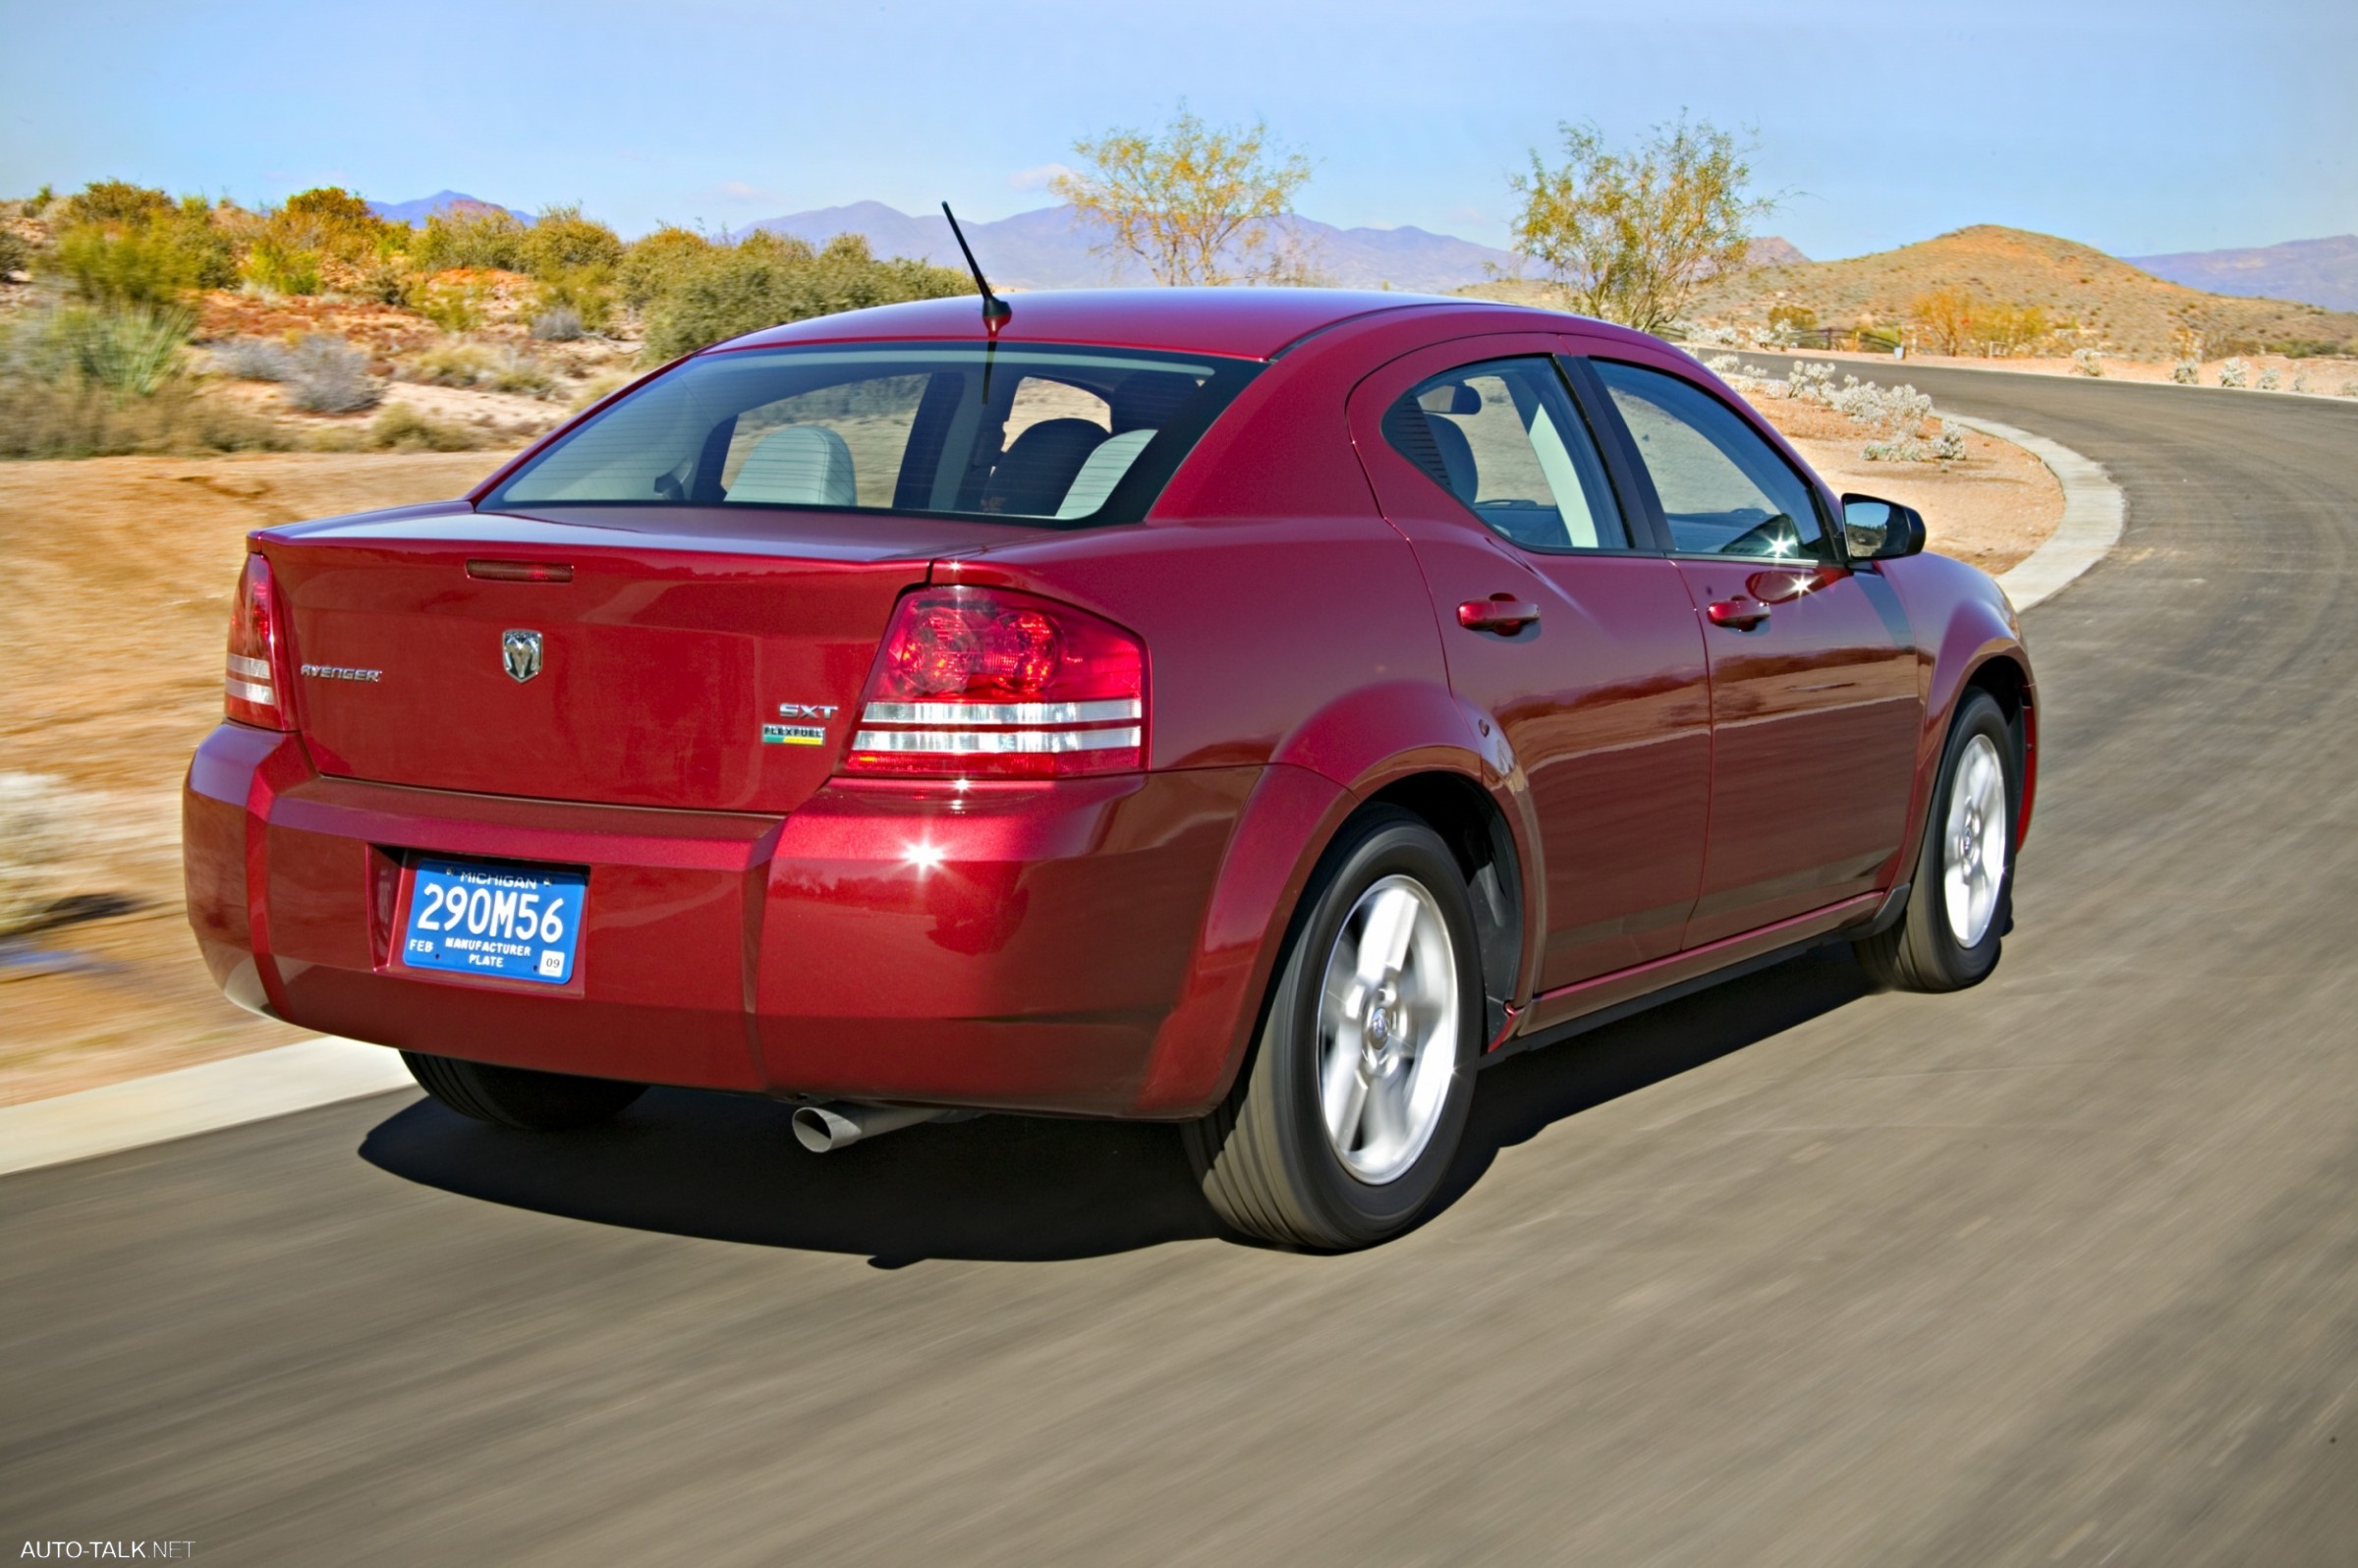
column 1018, row 1189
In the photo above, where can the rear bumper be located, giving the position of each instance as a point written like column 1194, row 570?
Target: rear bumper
column 1063, row 947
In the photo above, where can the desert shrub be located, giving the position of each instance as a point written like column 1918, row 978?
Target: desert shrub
column 1723, row 366
column 272, row 264
column 327, row 376
column 2300, row 381
column 2087, row 361
column 331, row 220
column 2350, row 389
column 39, row 202
column 478, row 364
column 122, row 351
column 251, row 360
column 652, row 264
column 112, row 201
column 478, row 237
column 1711, row 337
column 764, row 280
column 32, row 844
column 2270, row 379
column 15, row 255
column 1950, row 446
column 401, row 427
column 1810, row 381
column 153, row 258
column 558, row 324
column 2234, row 373
column 585, row 292
column 561, row 239
column 453, row 304
column 71, row 418
column 448, row 365
column 2186, row 372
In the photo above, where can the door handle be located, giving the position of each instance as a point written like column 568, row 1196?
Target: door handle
column 1499, row 612
column 1743, row 612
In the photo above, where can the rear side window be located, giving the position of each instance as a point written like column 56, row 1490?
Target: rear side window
column 1504, row 438
column 1724, row 491
column 1037, row 434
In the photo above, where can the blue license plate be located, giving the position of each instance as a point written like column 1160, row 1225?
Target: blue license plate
column 480, row 918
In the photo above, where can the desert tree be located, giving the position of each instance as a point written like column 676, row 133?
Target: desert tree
column 1197, row 203
column 1948, row 317
column 1630, row 233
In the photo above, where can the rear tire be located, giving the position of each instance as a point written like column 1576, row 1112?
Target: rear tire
column 1345, row 1120
column 517, row 1097
column 1961, row 900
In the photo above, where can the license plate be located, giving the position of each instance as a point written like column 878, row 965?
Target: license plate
column 478, row 917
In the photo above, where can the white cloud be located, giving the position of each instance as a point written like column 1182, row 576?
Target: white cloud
column 1037, row 179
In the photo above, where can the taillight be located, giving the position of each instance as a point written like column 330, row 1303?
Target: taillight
column 985, row 682
column 252, row 692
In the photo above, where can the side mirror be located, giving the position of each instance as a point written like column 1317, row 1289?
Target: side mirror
column 1874, row 529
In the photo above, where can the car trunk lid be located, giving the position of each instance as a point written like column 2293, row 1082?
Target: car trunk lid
column 636, row 657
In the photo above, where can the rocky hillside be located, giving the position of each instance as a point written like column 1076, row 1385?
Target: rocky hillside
column 2090, row 299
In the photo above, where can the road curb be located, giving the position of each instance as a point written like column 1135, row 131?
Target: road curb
column 2094, row 514
column 195, row 1100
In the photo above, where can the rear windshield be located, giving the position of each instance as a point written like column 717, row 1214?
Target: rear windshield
column 1048, row 436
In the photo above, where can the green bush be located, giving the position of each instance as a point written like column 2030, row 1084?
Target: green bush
column 764, row 280
column 113, row 202
column 485, row 237
column 562, row 241
column 452, row 306
column 282, row 268
column 587, row 291
column 655, row 262
column 152, row 257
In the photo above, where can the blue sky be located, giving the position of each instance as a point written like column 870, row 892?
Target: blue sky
column 2140, row 126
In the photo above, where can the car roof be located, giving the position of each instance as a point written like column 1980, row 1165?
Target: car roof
column 1241, row 322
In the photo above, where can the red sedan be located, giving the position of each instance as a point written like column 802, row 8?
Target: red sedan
column 1253, row 709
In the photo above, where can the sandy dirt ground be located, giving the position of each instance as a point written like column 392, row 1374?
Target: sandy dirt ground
column 118, row 574
column 1992, row 508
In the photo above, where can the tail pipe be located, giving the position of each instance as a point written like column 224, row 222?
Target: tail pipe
column 824, row 1128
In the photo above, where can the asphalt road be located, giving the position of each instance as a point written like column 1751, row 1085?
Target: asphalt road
column 2063, row 1269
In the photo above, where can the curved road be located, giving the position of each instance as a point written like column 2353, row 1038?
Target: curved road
column 2065, row 1269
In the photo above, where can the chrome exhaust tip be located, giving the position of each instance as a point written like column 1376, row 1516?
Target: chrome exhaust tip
column 823, row 1129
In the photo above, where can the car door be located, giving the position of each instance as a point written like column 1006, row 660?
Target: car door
column 1815, row 699
column 1568, row 629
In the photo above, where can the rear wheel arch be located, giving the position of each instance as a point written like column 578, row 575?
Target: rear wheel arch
column 1482, row 842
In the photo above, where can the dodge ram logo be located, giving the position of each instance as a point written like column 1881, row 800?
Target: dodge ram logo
column 520, row 651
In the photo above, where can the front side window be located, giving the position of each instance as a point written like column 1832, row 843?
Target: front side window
column 1724, row 491
column 1036, row 434
column 1504, row 438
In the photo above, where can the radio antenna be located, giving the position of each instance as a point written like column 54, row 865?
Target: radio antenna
column 995, row 310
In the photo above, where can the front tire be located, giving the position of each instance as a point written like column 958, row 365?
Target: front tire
column 1346, row 1119
column 1962, row 897
column 517, row 1097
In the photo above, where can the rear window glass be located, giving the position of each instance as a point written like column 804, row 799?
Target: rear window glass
column 1041, row 435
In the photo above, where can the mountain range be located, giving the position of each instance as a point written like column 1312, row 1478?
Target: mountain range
column 2315, row 271
column 1056, row 248
column 442, row 201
